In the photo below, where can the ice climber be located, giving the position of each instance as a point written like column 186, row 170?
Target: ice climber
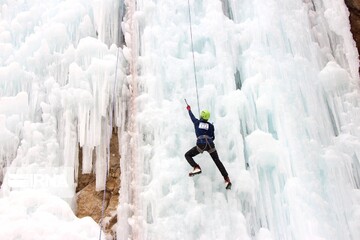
column 205, row 142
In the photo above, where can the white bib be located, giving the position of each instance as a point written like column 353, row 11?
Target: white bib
column 204, row 126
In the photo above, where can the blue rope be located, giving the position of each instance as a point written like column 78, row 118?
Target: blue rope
column 193, row 56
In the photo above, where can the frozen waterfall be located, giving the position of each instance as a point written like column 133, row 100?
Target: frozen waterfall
column 280, row 78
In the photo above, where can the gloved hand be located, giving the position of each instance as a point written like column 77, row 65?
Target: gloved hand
column 188, row 107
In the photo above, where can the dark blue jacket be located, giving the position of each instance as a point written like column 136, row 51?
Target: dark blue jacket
column 202, row 127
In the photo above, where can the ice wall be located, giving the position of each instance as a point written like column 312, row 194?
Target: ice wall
column 299, row 72
column 59, row 70
column 171, row 205
column 281, row 81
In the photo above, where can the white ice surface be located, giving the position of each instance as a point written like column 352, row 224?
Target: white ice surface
column 30, row 215
column 280, row 79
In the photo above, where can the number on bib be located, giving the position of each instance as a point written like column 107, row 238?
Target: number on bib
column 204, row 126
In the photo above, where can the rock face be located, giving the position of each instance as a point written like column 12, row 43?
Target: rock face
column 354, row 8
column 89, row 202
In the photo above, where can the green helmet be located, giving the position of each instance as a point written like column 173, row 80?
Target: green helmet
column 205, row 114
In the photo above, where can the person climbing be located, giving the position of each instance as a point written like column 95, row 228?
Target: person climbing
column 205, row 142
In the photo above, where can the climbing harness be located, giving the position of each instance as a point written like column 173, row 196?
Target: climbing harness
column 207, row 138
column 193, row 56
column 108, row 149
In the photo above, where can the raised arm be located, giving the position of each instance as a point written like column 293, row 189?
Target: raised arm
column 193, row 118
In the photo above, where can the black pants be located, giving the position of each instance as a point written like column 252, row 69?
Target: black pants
column 214, row 155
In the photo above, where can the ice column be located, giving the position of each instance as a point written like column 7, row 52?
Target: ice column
column 61, row 54
column 299, row 73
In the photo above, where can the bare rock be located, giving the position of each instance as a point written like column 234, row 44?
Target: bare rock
column 354, row 9
column 90, row 202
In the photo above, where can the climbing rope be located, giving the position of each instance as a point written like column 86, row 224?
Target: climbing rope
column 108, row 149
column 193, row 56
